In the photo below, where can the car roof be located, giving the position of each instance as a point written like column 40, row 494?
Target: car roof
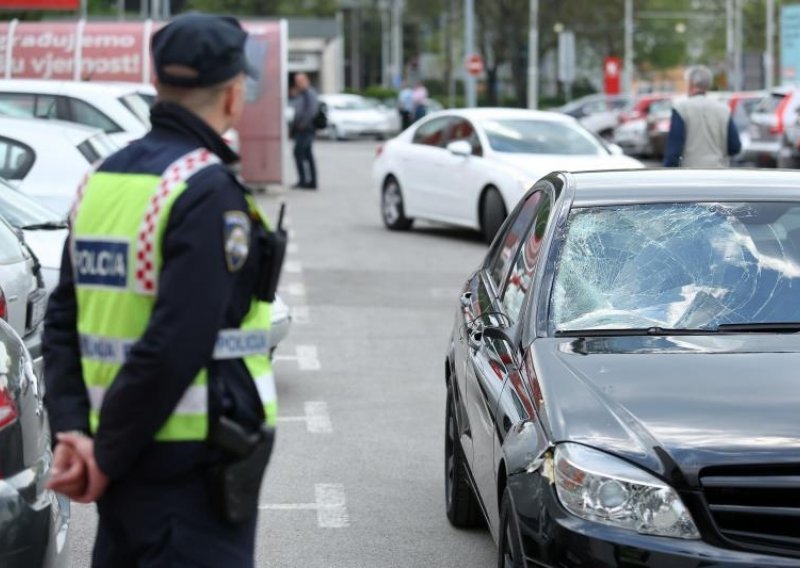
column 665, row 185
column 75, row 88
column 28, row 130
column 490, row 113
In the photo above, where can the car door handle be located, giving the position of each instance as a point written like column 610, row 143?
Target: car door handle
column 466, row 300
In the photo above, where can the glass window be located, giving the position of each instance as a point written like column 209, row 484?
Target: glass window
column 138, row 107
column 16, row 159
column 84, row 113
column 46, row 106
column 684, row 265
column 462, row 129
column 17, row 104
column 507, row 246
column 432, row 133
column 522, row 272
column 22, row 211
column 527, row 136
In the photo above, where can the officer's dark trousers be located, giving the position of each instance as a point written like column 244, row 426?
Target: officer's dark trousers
column 304, row 158
column 170, row 525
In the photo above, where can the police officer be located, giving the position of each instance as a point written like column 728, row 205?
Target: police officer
column 157, row 333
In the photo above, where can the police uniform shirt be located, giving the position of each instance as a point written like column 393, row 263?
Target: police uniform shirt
column 207, row 282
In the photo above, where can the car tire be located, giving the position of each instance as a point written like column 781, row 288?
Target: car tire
column 392, row 206
column 493, row 213
column 462, row 507
column 509, row 545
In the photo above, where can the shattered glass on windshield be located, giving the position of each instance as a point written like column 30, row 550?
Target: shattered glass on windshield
column 684, row 265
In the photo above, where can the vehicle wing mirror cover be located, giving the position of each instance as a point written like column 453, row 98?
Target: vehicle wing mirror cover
column 460, row 148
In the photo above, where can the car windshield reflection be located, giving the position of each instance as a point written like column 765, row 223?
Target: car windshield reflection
column 525, row 136
column 686, row 266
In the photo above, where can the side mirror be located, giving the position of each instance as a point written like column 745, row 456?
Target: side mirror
column 460, row 148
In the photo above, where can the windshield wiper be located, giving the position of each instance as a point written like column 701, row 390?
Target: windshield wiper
column 771, row 327
column 48, row 226
column 633, row 331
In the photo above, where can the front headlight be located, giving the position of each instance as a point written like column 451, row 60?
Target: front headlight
column 599, row 487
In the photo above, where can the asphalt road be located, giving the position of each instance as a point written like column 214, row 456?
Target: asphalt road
column 357, row 478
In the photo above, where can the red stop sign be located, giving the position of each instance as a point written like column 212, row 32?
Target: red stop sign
column 474, row 65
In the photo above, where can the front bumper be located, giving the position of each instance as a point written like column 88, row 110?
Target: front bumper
column 553, row 537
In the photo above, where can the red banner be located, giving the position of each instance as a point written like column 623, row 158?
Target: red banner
column 39, row 4
column 612, row 72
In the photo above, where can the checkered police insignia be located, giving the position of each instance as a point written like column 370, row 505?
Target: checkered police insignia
column 237, row 239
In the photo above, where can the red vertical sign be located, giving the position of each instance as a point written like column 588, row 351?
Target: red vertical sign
column 612, row 71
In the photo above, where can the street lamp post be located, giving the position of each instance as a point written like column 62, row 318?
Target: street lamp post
column 769, row 62
column 628, row 64
column 469, row 49
column 533, row 55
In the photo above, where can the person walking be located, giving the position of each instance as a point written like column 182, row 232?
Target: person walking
column 159, row 383
column 419, row 98
column 306, row 107
column 405, row 105
column 702, row 133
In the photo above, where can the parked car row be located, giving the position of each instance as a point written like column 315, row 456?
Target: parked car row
column 51, row 134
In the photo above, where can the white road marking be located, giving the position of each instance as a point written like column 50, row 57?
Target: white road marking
column 317, row 418
column 332, row 511
column 330, row 505
column 292, row 248
column 306, row 357
column 300, row 315
column 293, row 267
column 293, row 289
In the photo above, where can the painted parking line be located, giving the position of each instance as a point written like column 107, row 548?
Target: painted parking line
column 316, row 417
column 300, row 315
column 329, row 503
column 292, row 248
column 305, row 356
column 293, row 267
column 294, row 289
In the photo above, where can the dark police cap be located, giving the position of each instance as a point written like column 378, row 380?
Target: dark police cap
column 199, row 50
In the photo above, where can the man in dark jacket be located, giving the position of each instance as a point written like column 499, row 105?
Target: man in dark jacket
column 306, row 107
column 155, row 328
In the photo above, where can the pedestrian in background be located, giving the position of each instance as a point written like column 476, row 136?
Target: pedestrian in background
column 158, row 388
column 306, row 107
column 419, row 97
column 405, row 105
column 702, row 133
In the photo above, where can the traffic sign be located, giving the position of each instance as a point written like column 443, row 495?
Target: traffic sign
column 474, row 65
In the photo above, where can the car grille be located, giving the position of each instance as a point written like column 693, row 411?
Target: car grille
column 756, row 508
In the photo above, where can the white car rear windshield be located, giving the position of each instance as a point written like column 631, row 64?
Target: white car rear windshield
column 529, row 136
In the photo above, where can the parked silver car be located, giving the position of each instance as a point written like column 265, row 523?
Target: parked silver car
column 34, row 521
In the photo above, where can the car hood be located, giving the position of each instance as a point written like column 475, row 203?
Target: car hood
column 47, row 245
column 539, row 165
column 691, row 401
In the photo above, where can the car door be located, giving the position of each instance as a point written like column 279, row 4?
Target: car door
column 459, row 179
column 493, row 358
column 421, row 163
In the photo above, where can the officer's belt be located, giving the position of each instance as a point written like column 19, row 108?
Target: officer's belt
column 231, row 344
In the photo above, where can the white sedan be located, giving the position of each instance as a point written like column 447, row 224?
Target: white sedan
column 351, row 116
column 48, row 159
column 470, row 167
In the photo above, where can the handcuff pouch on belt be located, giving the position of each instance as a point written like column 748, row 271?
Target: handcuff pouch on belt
column 235, row 484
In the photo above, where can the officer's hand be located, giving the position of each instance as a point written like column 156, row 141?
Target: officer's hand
column 97, row 480
column 69, row 474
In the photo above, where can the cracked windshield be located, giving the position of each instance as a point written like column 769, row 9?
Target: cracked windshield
column 685, row 265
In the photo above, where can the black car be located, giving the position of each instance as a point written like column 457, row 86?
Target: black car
column 623, row 379
column 34, row 521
